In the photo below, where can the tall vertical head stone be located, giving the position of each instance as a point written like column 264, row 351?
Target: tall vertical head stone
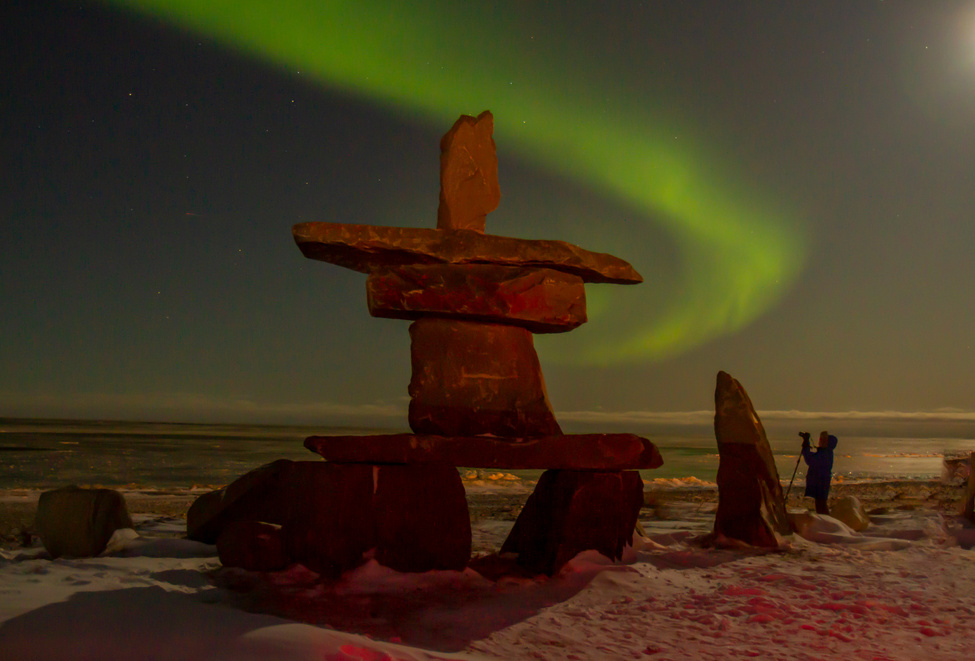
column 469, row 188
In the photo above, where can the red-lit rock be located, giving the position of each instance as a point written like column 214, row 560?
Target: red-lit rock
column 367, row 248
column 336, row 523
column 252, row 545
column 422, row 522
column 471, row 378
column 609, row 452
column 751, row 508
column 574, row 511
column 415, row 517
column 254, row 496
column 77, row 522
column 469, row 187
column 540, row 300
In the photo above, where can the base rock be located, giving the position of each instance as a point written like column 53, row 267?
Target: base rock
column 252, row 545
column 258, row 495
column 574, row 511
column 849, row 510
column 79, row 522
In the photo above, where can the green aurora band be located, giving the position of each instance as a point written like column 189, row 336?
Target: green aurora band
column 559, row 107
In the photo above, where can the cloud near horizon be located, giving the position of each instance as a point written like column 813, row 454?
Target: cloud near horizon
column 193, row 407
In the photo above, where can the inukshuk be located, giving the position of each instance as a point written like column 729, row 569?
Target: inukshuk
column 477, row 393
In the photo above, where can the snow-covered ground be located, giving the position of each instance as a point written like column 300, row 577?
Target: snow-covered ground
column 906, row 590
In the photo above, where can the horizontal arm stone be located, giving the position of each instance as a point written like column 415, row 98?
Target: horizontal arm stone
column 569, row 451
column 366, row 248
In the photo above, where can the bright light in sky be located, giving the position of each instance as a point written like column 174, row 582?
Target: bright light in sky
column 738, row 252
column 968, row 20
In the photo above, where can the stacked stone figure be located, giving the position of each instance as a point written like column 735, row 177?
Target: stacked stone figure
column 478, row 397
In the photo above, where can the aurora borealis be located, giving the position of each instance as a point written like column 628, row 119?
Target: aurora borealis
column 441, row 59
column 792, row 179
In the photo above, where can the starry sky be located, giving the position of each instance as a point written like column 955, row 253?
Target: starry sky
column 793, row 179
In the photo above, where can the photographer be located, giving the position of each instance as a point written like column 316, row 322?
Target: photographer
column 820, row 471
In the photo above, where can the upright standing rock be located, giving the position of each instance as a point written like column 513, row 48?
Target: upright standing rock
column 573, row 511
column 469, row 188
column 751, row 508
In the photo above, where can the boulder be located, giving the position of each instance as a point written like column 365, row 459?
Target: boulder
column 254, row 496
column 569, row 451
column 252, row 545
column 79, row 522
column 422, row 522
column 367, row 248
column 849, row 510
column 271, row 493
column 471, row 378
column 751, row 507
column 541, row 300
column 469, row 188
column 574, row 511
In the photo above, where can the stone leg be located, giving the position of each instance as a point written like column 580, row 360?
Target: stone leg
column 472, row 378
column 415, row 517
column 331, row 522
column 422, row 518
column 573, row 511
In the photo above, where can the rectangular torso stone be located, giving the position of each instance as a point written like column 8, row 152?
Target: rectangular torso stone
column 472, row 378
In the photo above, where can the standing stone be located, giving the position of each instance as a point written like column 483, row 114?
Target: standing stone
column 335, row 523
column 414, row 517
column 79, row 522
column 469, row 187
column 574, row 511
column 751, row 508
column 471, row 378
column 422, row 522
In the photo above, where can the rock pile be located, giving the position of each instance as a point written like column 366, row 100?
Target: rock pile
column 477, row 394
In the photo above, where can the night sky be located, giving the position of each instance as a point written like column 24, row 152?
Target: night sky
column 795, row 181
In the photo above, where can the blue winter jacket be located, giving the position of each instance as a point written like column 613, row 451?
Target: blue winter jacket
column 820, row 470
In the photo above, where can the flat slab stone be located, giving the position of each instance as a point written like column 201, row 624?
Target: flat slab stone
column 539, row 300
column 605, row 452
column 472, row 378
column 366, row 248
